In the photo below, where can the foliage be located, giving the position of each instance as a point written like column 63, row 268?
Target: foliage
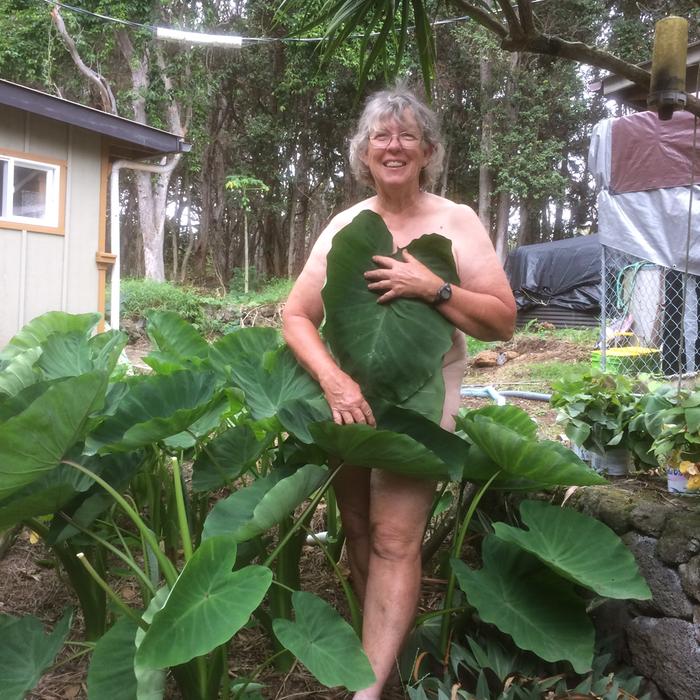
column 111, row 482
column 139, row 296
column 209, row 314
column 596, row 409
column 671, row 419
column 369, row 339
column 26, row 652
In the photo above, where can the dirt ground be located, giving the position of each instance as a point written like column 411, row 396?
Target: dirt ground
column 30, row 584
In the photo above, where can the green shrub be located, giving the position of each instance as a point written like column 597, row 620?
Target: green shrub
column 274, row 291
column 139, row 296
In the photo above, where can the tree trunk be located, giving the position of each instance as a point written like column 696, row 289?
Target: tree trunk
column 485, row 172
column 500, row 238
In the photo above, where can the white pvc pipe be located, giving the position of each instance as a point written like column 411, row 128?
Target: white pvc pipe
column 115, row 233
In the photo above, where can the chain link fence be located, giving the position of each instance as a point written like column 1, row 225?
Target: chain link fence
column 649, row 317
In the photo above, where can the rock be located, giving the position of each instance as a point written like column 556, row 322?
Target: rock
column 651, row 690
column 690, row 577
column 666, row 651
column 614, row 508
column 680, row 539
column 486, row 358
column 648, row 517
column 669, row 598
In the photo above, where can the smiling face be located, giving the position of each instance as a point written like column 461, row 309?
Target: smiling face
column 396, row 152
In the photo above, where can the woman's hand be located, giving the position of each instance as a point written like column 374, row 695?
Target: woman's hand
column 407, row 278
column 345, row 399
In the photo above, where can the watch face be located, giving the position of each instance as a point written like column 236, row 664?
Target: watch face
column 444, row 293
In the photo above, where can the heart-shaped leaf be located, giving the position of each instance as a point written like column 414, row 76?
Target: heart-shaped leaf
column 246, row 342
column 541, row 462
column 111, row 673
column 364, row 446
column 225, row 457
column 252, row 510
column 324, row 643
column 298, row 414
column 172, row 335
column 35, row 441
column 526, row 600
column 40, row 328
column 508, row 416
column 392, row 349
column 208, row 604
column 20, row 372
column 579, row 548
column 269, row 384
column 26, row 652
column 452, row 450
column 150, row 682
column 156, row 407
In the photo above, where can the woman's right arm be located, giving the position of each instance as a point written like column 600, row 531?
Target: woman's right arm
column 301, row 318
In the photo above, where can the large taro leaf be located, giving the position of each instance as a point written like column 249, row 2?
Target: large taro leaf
column 246, row 342
column 429, row 399
column 229, row 401
column 526, row 600
column 111, row 673
column 46, row 495
column 391, row 349
column 508, row 416
column 26, row 652
column 87, row 505
column 72, row 354
column 150, row 682
column 155, row 408
column 298, row 414
column 11, row 406
column 270, row 383
column 324, row 643
column 539, row 462
column 579, row 548
column 225, row 457
column 177, row 343
column 40, row 328
column 208, row 604
column 452, row 450
column 365, row 446
column 19, row 372
column 254, row 509
column 35, row 441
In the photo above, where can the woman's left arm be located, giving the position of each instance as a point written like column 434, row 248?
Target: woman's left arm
column 482, row 305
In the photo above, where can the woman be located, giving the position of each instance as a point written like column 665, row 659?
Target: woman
column 397, row 150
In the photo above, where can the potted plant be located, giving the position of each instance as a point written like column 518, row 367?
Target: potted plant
column 596, row 410
column 671, row 417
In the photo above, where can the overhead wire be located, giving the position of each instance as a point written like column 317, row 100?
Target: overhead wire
column 227, row 39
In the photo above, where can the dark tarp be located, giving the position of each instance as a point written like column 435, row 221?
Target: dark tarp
column 565, row 274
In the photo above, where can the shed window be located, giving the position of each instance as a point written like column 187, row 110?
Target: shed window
column 29, row 191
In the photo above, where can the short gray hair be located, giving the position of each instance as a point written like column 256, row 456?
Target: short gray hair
column 384, row 105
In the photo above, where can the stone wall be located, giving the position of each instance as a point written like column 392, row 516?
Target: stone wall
column 659, row 638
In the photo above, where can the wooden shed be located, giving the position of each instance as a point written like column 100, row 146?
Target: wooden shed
column 55, row 161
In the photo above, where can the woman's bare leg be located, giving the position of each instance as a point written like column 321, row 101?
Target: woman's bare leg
column 399, row 508
column 352, row 491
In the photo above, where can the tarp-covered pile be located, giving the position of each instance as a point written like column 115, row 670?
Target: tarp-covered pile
column 564, row 274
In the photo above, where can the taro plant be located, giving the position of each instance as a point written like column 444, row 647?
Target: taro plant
column 596, row 410
column 671, row 417
column 200, row 478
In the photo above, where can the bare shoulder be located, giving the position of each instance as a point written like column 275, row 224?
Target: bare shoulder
column 338, row 222
column 458, row 222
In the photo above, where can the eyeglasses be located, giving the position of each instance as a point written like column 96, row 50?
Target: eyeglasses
column 406, row 139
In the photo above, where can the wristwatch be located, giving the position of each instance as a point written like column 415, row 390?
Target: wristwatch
column 443, row 294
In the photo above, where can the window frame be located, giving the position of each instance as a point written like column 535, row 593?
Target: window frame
column 56, row 199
